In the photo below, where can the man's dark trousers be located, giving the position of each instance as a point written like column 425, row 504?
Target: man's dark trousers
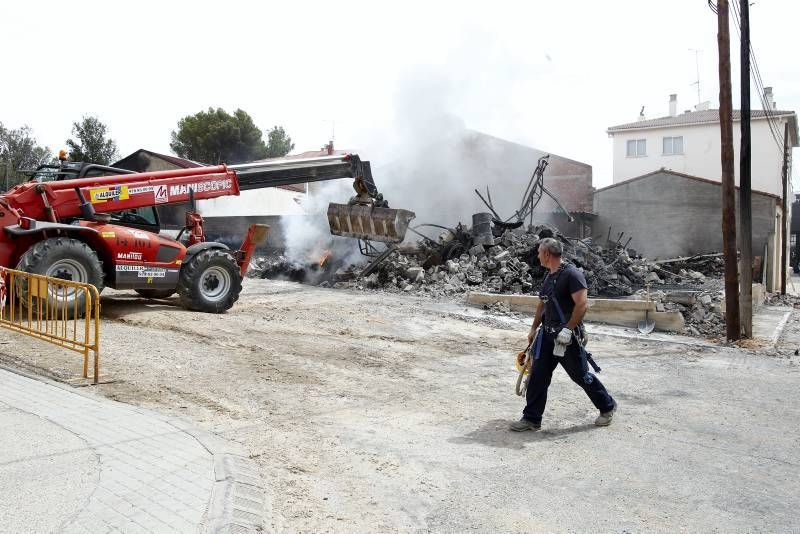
column 577, row 369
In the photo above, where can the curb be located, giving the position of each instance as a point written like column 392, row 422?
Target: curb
column 238, row 499
column 776, row 335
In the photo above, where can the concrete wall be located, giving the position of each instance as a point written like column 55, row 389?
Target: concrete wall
column 701, row 154
column 669, row 215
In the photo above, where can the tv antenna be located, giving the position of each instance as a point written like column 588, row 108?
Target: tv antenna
column 697, row 53
column 333, row 128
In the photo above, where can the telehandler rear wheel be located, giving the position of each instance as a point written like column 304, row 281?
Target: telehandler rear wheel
column 155, row 293
column 210, row 282
column 66, row 259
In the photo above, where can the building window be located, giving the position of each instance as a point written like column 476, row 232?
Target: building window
column 637, row 148
column 673, row 145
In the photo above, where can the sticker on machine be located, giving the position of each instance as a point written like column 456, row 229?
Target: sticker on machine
column 161, row 194
column 136, row 256
column 143, row 271
column 153, row 272
column 140, row 190
column 105, row 194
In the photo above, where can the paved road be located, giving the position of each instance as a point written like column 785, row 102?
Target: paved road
column 75, row 463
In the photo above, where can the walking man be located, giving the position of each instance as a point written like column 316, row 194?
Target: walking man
column 558, row 318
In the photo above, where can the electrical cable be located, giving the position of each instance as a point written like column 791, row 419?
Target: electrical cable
column 755, row 72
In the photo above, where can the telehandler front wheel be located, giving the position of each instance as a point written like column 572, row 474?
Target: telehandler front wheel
column 210, row 281
column 65, row 259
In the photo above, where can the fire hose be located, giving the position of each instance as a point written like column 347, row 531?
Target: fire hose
column 525, row 369
column 524, row 372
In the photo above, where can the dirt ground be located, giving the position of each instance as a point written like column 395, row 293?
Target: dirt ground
column 372, row 412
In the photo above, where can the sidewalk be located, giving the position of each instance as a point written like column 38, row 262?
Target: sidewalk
column 73, row 462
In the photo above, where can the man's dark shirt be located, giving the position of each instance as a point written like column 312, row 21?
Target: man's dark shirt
column 563, row 283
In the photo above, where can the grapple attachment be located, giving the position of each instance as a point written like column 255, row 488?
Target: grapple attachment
column 369, row 222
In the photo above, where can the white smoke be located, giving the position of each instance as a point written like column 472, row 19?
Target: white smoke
column 306, row 237
column 429, row 159
column 436, row 151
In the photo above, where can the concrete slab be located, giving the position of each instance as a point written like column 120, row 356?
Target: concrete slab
column 768, row 323
column 608, row 311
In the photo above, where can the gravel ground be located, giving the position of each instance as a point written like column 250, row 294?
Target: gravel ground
column 375, row 412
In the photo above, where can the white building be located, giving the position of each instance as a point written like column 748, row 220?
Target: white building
column 670, row 155
column 689, row 143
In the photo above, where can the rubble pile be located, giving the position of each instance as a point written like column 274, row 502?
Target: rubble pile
column 450, row 269
column 701, row 310
column 776, row 299
column 280, row 267
column 709, row 265
column 511, row 266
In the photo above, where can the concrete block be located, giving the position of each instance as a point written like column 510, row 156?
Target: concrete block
column 686, row 298
column 415, row 274
column 477, row 250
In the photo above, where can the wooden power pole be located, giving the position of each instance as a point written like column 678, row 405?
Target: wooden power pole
column 733, row 327
column 745, row 196
column 784, row 215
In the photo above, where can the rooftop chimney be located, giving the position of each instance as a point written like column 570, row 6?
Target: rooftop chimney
column 769, row 102
column 673, row 105
column 641, row 115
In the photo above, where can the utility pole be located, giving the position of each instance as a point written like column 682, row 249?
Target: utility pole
column 7, row 165
column 732, row 324
column 745, row 196
column 784, row 230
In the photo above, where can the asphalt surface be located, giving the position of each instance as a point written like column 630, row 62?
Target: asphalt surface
column 395, row 420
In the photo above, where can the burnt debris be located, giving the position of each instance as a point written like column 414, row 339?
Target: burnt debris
column 453, row 263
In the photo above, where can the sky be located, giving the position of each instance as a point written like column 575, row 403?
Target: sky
column 552, row 75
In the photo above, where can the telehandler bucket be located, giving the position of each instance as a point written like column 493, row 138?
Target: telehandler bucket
column 369, row 222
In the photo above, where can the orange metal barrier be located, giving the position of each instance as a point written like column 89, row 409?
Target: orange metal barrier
column 61, row 312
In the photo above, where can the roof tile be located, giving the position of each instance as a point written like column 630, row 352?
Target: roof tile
column 694, row 117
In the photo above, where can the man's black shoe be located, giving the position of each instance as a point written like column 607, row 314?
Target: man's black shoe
column 523, row 425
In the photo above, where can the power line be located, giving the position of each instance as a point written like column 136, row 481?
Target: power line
column 759, row 83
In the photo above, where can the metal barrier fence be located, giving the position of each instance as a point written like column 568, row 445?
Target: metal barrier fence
column 61, row 312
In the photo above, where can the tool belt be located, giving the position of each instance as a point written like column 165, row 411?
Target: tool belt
column 579, row 333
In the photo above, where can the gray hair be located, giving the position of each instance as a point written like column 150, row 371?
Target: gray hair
column 552, row 246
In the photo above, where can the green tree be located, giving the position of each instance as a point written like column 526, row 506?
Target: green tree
column 214, row 136
column 278, row 143
column 92, row 145
column 19, row 150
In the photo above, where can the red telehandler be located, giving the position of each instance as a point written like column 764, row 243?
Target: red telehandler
column 103, row 230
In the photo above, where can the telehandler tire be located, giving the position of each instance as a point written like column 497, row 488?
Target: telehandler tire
column 210, row 281
column 67, row 259
column 156, row 293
